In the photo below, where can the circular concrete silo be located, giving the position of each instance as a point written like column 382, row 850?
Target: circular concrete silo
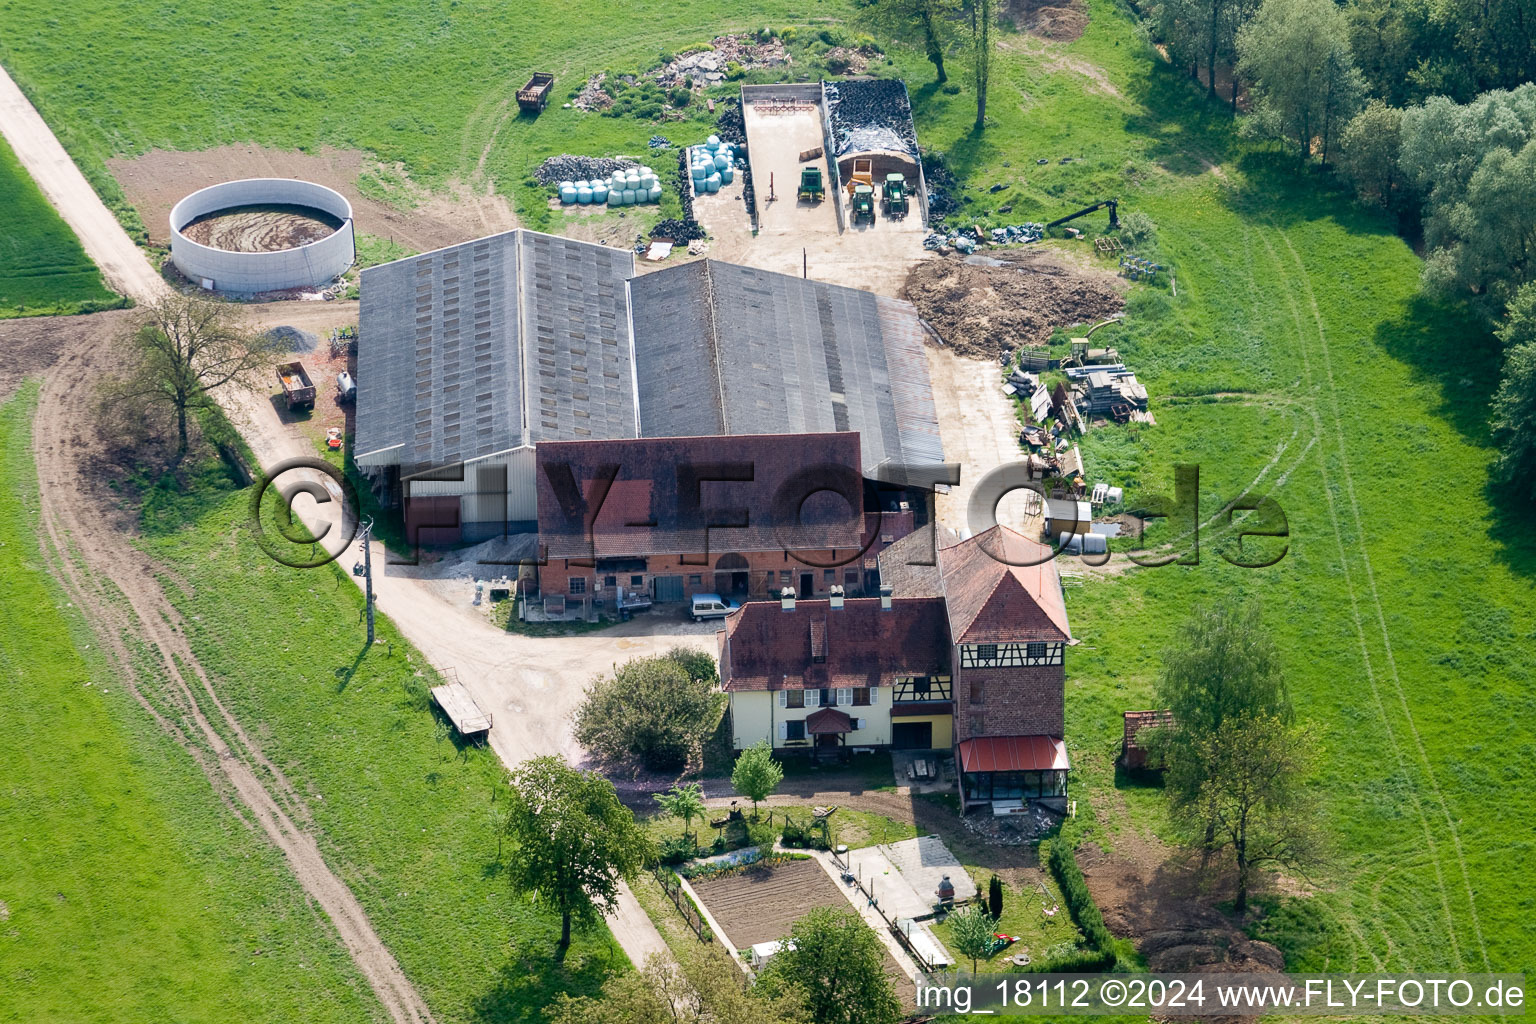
column 262, row 235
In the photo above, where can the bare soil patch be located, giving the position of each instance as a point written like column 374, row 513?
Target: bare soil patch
column 413, row 217
column 984, row 307
column 271, row 227
column 760, row 905
column 1059, row 20
column 30, row 345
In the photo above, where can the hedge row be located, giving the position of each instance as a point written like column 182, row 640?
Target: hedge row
column 1085, row 914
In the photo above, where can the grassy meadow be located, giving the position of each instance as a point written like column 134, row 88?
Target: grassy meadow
column 128, row 891
column 406, row 814
column 42, row 267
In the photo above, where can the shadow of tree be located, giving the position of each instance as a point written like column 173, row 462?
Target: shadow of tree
column 523, row 989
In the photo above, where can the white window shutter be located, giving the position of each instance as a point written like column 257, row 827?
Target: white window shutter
column 858, row 723
column 812, row 698
column 874, row 695
column 845, row 695
column 783, row 730
column 783, row 698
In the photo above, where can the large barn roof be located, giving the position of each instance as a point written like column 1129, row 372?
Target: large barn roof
column 490, row 345
column 724, row 349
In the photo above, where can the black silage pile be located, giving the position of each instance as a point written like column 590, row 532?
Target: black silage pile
column 865, row 110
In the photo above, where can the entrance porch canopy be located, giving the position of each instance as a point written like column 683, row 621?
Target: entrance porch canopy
column 828, row 722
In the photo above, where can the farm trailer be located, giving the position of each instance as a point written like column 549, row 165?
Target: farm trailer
column 533, row 96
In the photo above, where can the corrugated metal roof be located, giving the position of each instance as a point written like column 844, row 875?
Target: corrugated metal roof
column 1013, row 754
column 491, row 344
column 725, row 349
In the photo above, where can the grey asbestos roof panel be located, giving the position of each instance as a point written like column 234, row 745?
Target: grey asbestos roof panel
column 493, row 344
column 576, row 358
column 437, row 355
column 678, row 384
column 788, row 355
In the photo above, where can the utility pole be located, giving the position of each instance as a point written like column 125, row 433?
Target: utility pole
column 368, row 576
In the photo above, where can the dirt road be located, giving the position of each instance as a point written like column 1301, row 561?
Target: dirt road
column 96, row 562
column 122, row 263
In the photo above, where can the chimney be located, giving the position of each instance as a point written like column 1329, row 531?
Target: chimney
column 885, row 596
column 835, row 596
column 787, row 599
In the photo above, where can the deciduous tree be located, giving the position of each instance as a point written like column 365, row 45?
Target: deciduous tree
column 756, row 774
column 1514, row 408
column 1295, row 55
column 575, row 841
column 1255, row 792
column 837, row 965
column 185, row 348
column 701, row 986
column 1222, row 665
column 926, row 24
column 974, row 929
column 1369, row 152
column 686, row 802
column 980, row 14
column 658, row 710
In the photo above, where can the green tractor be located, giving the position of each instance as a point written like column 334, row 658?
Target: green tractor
column 863, row 204
column 895, row 195
column 811, row 187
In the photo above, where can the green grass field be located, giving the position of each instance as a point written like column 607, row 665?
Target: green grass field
column 406, row 815
column 1296, row 359
column 127, row 890
column 42, row 267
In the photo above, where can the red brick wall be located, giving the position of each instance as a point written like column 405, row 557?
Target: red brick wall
column 1027, row 701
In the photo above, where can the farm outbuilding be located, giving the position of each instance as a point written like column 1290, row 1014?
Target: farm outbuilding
column 1133, row 744
column 470, row 356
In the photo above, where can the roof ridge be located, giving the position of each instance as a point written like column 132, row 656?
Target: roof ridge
column 714, row 338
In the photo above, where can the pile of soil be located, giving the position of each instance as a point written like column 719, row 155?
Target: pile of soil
column 1061, row 20
column 270, row 227
column 984, row 311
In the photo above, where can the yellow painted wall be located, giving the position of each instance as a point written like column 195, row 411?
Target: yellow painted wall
column 755, row 716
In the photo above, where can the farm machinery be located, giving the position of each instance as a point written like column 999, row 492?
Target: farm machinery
column 863, row 204
column 811, row 186
column 895, row 195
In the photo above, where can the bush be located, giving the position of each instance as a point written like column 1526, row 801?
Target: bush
column 676, row 849
column 733, row 70
column 951, row 89
column 866, row 44
column 788, row 34
column 838, row 65
column 1137, row 229
column 765, row 33
column 680, row 96
column 833, row 36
